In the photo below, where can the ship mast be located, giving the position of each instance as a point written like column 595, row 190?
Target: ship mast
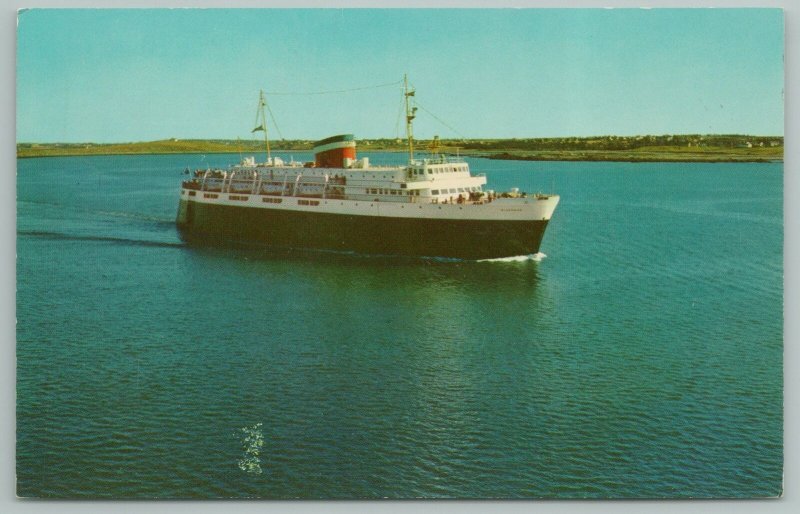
column 410, row 115
column 262, row 102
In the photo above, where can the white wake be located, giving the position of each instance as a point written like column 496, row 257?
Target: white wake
column 536, row 257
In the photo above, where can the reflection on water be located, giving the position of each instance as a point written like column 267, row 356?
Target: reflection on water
column 252, row 442
column 431, row 285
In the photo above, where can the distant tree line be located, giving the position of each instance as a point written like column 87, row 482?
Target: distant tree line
column 623, row 142
column 600, row 143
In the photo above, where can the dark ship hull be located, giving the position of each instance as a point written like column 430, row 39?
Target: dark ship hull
column 214, row 224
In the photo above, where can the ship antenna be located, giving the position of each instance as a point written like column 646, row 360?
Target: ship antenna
column 262, row 102
column 410, row 115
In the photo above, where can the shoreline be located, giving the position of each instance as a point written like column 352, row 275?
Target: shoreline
column 686, row 148
column 636, row 158
column 606, row 157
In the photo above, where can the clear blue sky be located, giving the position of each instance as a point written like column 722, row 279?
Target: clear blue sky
column 140, row 75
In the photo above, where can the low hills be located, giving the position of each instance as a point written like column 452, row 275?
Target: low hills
column 690, row 148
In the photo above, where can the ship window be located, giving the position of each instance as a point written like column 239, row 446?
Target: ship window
column 192, row 193
column 210, row 195
column 460, row 189
column 453, row 190
column 435, row 192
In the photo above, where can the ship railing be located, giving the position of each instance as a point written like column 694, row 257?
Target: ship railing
column 438, row 159
column 371, row 167
column 275, row 181
column 275, row 185
column 306, row 179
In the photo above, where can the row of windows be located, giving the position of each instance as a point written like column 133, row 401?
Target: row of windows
column 192, row 193
column 237, row 197
column 271, row 200
column 307, row 202
column 454, row 190
column 382, row 191
column 210, row 195
column 431, row 171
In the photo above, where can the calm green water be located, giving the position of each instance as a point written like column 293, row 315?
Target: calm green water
column 641, row 358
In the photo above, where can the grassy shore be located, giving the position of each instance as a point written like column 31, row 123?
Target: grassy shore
column 682, row 148
column 647, row 154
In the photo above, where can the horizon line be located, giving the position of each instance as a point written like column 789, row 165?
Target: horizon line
column 403, row 138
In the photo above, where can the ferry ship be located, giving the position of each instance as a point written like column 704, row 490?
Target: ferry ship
column 430, row 207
